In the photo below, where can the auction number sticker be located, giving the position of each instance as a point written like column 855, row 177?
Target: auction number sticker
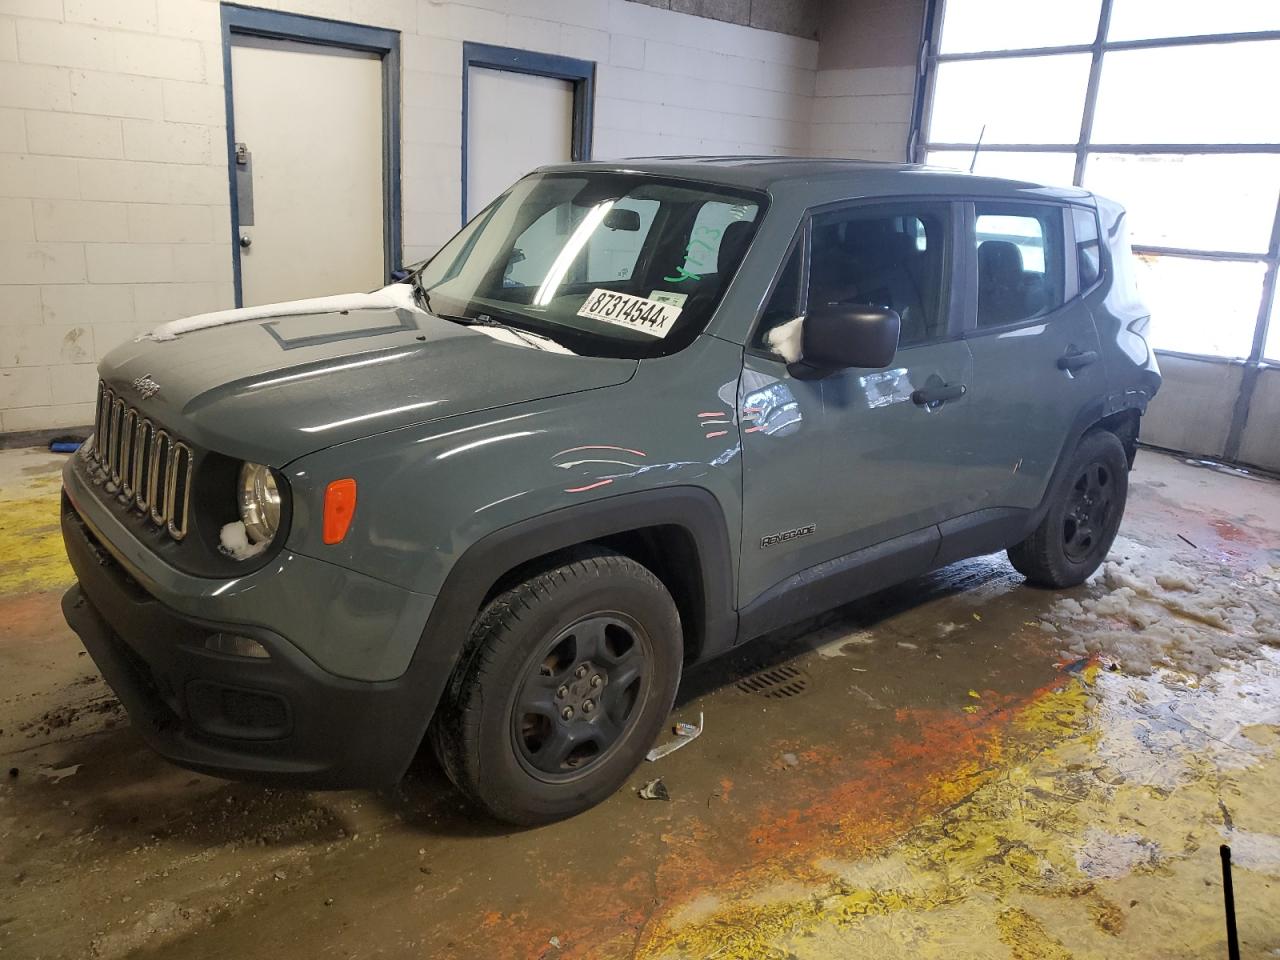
column 635, row 313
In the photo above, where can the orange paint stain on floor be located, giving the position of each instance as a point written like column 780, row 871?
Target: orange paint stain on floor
column 839, row 806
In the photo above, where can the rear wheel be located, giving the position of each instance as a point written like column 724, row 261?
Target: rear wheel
column 1083, row 517
column 566, row 680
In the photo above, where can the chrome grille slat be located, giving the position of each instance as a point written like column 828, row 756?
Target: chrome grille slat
column 158, row 476
column 178, row 493
column 142, row 448
column 117, row 423
column 127, row 429
column 148, row 466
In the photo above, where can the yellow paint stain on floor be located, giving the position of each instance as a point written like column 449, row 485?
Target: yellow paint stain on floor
column 32, row 557
column 1093, row 833
column 1026, row 937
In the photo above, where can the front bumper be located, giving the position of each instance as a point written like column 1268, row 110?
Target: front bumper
column 278, row 719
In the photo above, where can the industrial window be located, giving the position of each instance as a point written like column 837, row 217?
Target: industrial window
column 1162, row 105
column 1272, row 349
column 1021, row 266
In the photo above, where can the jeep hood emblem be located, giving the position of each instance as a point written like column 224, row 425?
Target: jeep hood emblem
column 146, row 387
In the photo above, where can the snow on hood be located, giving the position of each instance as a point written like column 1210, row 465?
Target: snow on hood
column 395, row 296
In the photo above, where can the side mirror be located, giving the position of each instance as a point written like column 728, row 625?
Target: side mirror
column 849, row 335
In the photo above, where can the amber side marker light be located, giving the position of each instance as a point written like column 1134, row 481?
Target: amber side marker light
column 339, row 508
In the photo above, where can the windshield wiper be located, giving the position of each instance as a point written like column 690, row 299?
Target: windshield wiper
column 485, row 320
column 419, row 290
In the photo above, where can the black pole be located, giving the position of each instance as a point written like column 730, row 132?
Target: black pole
column 1229, row 898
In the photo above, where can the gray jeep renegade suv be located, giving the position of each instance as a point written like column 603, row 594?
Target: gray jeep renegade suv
column 632, row 415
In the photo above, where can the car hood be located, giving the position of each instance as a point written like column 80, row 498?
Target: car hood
column 271, row 386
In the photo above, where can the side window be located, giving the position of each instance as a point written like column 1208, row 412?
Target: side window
column 784, row 302
column 885, row 257
column 1088, row 251
column 1021, row 266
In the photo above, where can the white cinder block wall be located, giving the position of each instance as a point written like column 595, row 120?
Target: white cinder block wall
column 114, row 204
column 866, row 78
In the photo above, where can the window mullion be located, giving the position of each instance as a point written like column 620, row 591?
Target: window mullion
column 1091, row 92
column 1269, row 281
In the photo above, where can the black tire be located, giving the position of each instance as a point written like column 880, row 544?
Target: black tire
column 502, row 733
column 1084, row 514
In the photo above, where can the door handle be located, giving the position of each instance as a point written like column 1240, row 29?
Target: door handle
column 246, row 241
column 941, row 394
column 1077, row 360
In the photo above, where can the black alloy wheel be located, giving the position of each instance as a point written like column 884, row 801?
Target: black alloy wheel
column 580, row 695
column 565, row 682
column 1088, row 512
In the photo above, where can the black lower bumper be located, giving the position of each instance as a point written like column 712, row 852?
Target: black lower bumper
column 279, row 718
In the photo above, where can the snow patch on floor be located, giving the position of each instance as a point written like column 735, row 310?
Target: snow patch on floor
column 1259, row 852
column 837, row 641
column 1108, row 855
column 1155, row 611
column 1165, row 729
column 234, row 540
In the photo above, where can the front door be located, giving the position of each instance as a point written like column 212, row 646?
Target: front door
column 309, row 169
column 862, row 456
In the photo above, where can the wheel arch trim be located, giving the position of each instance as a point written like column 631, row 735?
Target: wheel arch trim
column 486, row 561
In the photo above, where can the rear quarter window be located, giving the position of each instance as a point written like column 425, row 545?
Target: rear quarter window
column 1088, row 246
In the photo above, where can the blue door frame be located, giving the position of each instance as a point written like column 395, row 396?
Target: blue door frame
column 252, row 22
column 581, row 73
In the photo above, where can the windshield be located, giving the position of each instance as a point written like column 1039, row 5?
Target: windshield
column 612, row 264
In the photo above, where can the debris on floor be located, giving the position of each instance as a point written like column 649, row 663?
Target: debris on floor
column 655, row 790
column 685, row 733
column 65, row 444
column 57, row 775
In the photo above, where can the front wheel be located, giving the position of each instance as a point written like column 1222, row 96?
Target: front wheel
column 566, row 680
column 1083, row 517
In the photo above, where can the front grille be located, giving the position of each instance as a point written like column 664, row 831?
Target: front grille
column 143, row 463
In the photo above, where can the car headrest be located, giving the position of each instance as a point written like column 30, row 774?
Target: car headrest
column 999, row 261
column 733, row 244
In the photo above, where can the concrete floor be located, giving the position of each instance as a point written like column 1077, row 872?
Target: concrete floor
column 975, row 768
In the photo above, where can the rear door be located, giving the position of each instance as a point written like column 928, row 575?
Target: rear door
column 1035, row 349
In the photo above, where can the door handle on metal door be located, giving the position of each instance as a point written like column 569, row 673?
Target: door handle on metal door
column 1077, row 360
column 949, row 391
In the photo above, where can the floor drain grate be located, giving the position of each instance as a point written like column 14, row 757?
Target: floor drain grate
column 776, row 683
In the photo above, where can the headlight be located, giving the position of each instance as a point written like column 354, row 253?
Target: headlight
column 259, row 502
